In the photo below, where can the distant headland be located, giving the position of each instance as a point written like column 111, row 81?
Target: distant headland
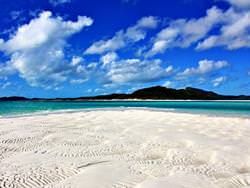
column 154, row 93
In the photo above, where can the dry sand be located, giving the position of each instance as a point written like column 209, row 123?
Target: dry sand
column 125, row 149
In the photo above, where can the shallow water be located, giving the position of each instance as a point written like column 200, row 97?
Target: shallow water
column 232, row 108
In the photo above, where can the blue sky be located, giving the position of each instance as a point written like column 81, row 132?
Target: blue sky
column 70, row 48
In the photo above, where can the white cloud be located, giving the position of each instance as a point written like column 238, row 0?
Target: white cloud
column 5, row 85
column 89, row 90
column 109, row 58
column 204, row 66
column 149, row 22
column 248, row 73
column 36, row 50
column 135, row 70
column 78, row 81
column 6, row 70
column 122, row 38
column 59, row 2
column 168, row 84
column 183, row 33
column 218, row 81
column 239, row 3
column 103, row 46
column 76, row 60
column 44, row 30
column 230, row 28
column 234, row 34
column 169, row 69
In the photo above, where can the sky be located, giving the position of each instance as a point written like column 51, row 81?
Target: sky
column 72, row 48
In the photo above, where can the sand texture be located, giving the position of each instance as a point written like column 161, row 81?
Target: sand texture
column 125, row 149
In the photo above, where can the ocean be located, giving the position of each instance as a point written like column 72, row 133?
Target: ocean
column 231, row 108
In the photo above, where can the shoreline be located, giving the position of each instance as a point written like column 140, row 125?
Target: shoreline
column 168, row 110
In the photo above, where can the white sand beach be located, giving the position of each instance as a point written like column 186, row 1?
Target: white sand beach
column 125, row 149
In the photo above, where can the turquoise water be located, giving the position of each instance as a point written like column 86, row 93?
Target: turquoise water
column 237, row 108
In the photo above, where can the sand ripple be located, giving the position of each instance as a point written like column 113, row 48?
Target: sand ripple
column 124, row 149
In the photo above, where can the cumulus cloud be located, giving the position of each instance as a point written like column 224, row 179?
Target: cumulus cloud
column 239, row 3
column 124, row 37
column 36, row 49
column 234, row 34
column 76, row 60
column 204, row 66
column 109, row 58
column 218, row 81
column 122, row 71
column 182, row 32
column 58, row 2
column 229, row 29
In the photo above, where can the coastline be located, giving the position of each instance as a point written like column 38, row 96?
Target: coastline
column 140, row 148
